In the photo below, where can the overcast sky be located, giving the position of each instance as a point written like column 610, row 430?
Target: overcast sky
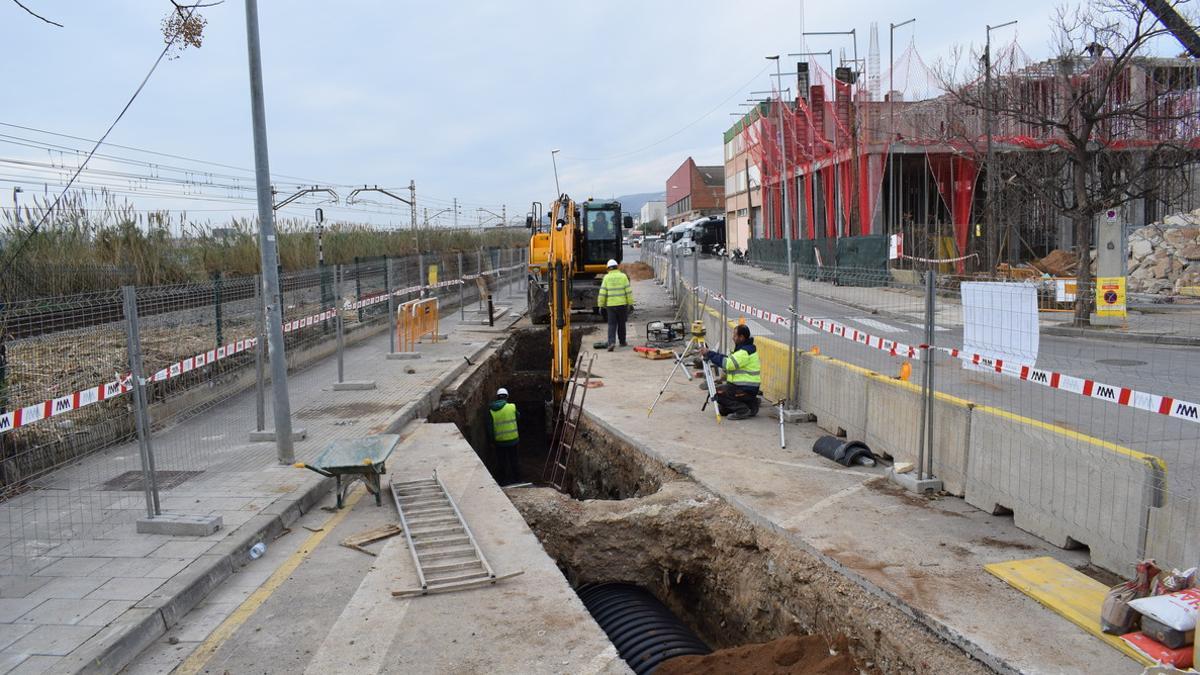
column 465, row 98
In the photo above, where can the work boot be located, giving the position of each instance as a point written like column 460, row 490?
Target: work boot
column 611, row 347
column 739, row 415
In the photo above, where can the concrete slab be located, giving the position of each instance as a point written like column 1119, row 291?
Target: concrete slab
column 403, row 356
column 355, row 385
column 268, row 436
column 179, row 525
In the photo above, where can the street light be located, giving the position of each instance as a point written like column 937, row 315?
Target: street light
column 17, row 207
column 993, row 242
column 893, row 197
column 853, row 33
column 783, row 172
column 557, row 190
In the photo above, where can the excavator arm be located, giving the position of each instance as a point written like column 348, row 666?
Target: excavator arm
column 561, row 263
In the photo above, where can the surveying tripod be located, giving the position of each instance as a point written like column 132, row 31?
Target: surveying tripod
column 694, row 345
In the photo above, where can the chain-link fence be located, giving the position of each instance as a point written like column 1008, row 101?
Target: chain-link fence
column 1086, row 435
column 73, row 465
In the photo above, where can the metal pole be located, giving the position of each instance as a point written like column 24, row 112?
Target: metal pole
column 341, row 341
column 260, row 361
column 724, row 299
column 931, row 310
column 792, row 337
column 421, row 279
column 391, row 304
column 784, row 179
column 266, row 243
column 993, row 241
column 479, row 271
column 358, row 285
column 696, row 283
column 140, row 409
column 926, row 376
column 462, row 291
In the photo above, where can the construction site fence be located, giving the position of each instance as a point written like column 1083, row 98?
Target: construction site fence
column 1088, row 436
column 69, row 459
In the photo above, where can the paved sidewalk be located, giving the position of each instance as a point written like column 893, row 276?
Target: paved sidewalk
column 93, row 602
column 923, row 556
column 1158, row 325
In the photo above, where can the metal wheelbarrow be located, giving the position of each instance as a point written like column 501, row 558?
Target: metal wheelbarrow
column 350, row 460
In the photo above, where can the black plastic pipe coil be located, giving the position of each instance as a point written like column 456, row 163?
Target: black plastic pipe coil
column 643, row 630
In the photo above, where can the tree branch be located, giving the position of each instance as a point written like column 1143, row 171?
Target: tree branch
column 36, row 15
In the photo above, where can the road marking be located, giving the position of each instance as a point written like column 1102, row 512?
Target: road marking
column 200, row 657
column 921, row 326
column 878, row 325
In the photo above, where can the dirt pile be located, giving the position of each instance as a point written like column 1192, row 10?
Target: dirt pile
column 792, row 655
column 734, row 583
column 637, row 271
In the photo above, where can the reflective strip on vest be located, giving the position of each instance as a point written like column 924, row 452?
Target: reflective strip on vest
column 615, row 290
column 504, row 423
column 747, row 371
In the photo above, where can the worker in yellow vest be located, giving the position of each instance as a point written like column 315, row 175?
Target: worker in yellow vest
column 502, row 429
column 616, row 299
column 737, row 399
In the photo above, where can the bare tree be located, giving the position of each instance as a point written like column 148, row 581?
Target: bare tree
column 1108, row 123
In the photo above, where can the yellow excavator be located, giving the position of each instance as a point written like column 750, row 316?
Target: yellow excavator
column 567, row 261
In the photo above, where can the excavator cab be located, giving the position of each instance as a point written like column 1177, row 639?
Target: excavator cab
column 602, row 233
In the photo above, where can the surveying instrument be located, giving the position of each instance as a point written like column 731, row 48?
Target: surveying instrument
column 692, row 348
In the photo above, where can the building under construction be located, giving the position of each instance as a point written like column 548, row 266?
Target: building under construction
column 860, row 163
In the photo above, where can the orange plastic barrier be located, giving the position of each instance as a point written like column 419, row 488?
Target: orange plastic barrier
column 414, row 320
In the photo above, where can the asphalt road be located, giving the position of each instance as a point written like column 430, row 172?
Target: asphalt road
column 1158, row 369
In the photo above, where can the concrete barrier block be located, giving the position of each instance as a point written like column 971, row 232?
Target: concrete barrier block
column 1171, row 540
column 836, row 392
column 1065, row 487
column 894, row 421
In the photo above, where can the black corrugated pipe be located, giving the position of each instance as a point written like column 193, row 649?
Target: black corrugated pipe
column 643, row 630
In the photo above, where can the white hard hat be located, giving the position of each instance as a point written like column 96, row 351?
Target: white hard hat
column 502, row 392
column 612, row 263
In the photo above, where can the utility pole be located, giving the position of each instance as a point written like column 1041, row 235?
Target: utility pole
column 412, row 203
column 456, row 213
column 17, row 207
column 503, row 215
column 269, row 257
column 993, row 238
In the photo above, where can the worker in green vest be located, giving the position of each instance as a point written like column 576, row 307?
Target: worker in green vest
column 737, row 399
column 502, row 429
column 616, row 299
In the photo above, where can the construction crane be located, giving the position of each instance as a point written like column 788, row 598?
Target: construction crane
column 1174, row 22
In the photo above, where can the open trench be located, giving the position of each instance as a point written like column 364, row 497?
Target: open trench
column 628, row 518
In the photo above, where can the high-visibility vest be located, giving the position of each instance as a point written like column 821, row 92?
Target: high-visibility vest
column 744, row 369
column 504, row 423
column 615, row 290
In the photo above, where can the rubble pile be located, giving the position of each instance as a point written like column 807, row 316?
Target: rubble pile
column 1164, row 258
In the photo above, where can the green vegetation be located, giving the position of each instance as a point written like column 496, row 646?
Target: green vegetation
column 82, row 248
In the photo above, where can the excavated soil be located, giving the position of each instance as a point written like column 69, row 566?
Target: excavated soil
column 637, row 271
column 792, row 655
column 733, row 582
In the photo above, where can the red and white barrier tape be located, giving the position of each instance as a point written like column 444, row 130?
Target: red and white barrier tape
column 829, row 326
column 1155, row 403
column 27, row 415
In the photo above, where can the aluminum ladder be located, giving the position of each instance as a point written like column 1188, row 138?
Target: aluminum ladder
column 566, row 425
column 444, row 551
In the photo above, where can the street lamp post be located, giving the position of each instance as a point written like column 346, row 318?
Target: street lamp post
column 557, row 190
column 17, row 207
column 993, row 239
column 784, row 179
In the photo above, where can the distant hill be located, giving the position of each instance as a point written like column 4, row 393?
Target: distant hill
column 632, row 204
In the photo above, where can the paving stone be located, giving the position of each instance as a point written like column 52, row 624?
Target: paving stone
column 10, row 633
column 53, row 640
column 158, row 568
column 20, row 586
column 182, row 549
column 69, row 587
column 12, row 608
column 125, row 588
column 61, row 611
column 37, row 665
column 73, row 567
column 107, row 613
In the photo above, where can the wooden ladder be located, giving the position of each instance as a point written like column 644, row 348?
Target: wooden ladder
column 566, row 424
